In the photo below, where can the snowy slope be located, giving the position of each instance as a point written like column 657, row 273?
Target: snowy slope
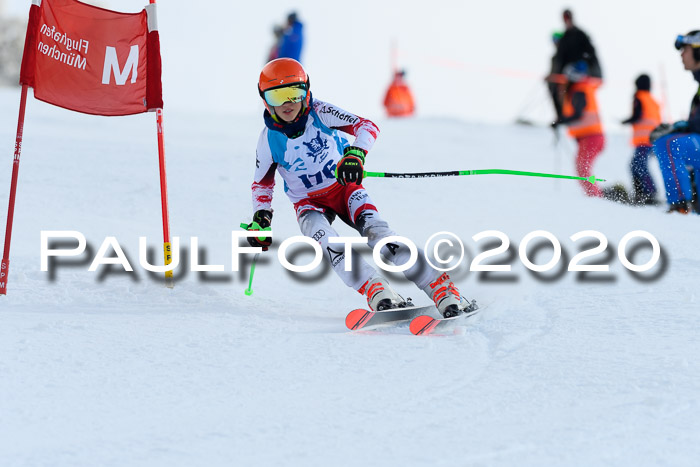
column 112, row 368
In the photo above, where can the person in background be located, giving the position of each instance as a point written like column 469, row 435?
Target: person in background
column 293, row 38
column 645, row 117
column 580, row 114
column 677, row 145
column 398, row 100
column 277, row 31
column 575, row 45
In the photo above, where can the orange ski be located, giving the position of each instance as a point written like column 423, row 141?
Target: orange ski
column 424, row 324
column 362, row 318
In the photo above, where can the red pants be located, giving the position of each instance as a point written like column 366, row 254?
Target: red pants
column 589, row 147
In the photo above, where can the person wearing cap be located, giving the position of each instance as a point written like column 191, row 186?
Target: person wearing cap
column 398, row 100
column 677, row 145
column 580, row 115
column 645, row 117
column 292, row 39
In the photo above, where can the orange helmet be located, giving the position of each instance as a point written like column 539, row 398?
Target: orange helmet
column 280, row 73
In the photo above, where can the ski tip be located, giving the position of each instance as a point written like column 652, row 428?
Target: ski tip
column 356, row 319
column 423, row 325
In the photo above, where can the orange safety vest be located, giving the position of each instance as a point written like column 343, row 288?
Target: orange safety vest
column 399, row 101
column 589, row 123
column 651, row 118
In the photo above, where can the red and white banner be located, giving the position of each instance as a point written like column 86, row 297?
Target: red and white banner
column 92, row 60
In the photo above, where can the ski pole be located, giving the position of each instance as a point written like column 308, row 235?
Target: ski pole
column 249, row 290
column 255, row 226
column 456, row 173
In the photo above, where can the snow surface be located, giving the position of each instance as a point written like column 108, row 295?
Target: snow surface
column 112, row 368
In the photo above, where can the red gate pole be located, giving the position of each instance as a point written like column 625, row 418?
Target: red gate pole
column 167, row 252
column 5, row 265
column 169, row 281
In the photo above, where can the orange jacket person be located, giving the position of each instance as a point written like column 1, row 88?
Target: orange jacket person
column 580, row 114
column 399, row 100
column 645, row 117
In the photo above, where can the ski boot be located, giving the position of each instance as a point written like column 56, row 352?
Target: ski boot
column 380, row 295
column 447, row 298
column 681, row 207
column 617, row 194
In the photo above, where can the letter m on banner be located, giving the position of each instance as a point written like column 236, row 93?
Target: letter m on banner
column 93, row 61
column 112, row 65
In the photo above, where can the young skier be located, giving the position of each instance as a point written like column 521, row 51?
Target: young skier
column 304, row 141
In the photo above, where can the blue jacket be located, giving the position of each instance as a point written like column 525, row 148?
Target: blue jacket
column 292, row 41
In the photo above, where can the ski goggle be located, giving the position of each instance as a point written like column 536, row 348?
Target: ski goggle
column 693, row 41
column 278, row 96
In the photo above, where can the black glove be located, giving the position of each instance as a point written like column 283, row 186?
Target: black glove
column 262, row 220
column 350, row 169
